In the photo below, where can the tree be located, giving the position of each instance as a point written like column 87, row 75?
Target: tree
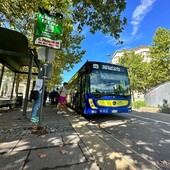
column 137, row 70
column 160, row 57
column 98, row 15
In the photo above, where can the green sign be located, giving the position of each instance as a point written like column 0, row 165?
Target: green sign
column 48, row 29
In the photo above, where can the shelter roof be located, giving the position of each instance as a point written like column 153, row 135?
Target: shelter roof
column 14, row 50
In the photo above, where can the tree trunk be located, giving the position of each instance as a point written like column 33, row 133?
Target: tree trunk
column 133, row 97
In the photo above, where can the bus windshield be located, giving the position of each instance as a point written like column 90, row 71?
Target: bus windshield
column 104, row 82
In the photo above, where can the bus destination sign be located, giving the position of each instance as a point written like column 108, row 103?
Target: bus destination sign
column 107, row 67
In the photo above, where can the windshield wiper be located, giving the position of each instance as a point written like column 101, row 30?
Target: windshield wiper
column 109, row 94
column 104, row 94
column 99, row 94
column 112, row 94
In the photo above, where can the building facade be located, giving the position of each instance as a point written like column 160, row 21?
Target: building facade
column 142, row 50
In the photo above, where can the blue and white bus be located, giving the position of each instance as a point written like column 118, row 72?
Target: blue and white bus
column 100, row 88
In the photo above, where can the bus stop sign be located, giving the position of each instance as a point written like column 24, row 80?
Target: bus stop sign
column 48, row 29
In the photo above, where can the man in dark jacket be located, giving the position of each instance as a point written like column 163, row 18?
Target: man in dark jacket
column 51, row 96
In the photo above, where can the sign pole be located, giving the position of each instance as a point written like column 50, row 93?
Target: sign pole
column 48, row 32
column 43, row 87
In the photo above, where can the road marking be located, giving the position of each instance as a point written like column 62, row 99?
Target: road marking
column 158, row 121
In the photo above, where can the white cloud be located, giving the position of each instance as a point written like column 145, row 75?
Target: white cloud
column 139, row 13
column 127, row 40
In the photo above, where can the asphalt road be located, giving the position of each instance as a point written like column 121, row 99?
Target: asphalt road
column 145, row 134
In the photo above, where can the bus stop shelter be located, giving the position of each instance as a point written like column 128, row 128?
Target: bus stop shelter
column 14, row 54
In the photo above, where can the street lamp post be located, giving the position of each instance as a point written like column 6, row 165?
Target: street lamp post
column 110, row 57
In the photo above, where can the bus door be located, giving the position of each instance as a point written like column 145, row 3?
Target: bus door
column 81, row 92
column 83, row 87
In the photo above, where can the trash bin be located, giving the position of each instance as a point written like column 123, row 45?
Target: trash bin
column 19, row 99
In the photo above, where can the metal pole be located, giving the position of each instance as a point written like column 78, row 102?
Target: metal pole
column 1, row 76
column 12, row 91
column 28, row 85
column 41, row 106
column 43, row 88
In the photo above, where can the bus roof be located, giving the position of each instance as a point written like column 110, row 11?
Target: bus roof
column 98, row 62
column 101, row 66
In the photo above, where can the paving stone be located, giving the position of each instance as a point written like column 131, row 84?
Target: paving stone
column 13, row 161
column 71, row 139
column 83, row 166
column 7, row 146
column 39, row 142
column 71, row 155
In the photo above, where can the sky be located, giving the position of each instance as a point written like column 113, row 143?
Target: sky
column 144, row 18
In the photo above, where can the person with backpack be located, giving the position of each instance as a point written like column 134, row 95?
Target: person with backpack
column 37, row 87
column 63, row 91
column 56, row 96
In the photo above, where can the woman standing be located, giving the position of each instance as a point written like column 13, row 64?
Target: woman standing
column 63, row 91
column 37, row 103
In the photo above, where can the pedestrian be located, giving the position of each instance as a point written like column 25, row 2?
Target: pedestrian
column 38, row 86
column 56, row 96
column 63, row 92
column 51, row 96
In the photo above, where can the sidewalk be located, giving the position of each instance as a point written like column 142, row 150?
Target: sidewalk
column 60, row 148
column 146, row 109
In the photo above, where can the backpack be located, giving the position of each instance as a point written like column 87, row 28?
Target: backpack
column 34, row 94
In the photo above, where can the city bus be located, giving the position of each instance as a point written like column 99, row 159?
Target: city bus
column 100, row 88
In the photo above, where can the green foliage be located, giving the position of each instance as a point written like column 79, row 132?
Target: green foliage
column 100, row 15
column 137, row 70
column 160, row 57
column 138, row 104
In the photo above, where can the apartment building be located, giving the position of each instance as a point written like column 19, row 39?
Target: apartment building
column 143, row 50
